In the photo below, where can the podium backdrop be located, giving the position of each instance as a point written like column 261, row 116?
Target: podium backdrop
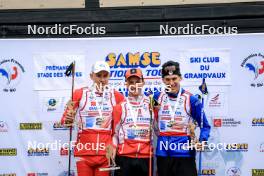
column 34, row 91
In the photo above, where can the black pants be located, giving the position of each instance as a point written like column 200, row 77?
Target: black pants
column 132, row 166
column 172, row 166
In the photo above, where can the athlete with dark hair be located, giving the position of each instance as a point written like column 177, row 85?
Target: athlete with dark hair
column 176, row 111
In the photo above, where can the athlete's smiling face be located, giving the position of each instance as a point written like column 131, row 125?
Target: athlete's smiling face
column 134, row 85
column 101, row 78
column 172, row 82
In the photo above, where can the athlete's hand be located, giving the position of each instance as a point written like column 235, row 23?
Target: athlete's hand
column 69, row 120
column 70, row 114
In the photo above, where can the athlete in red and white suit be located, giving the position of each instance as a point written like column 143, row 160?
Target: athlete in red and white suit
column 94, row 118
column 132, row 128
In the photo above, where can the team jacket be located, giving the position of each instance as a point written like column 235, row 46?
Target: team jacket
column 131, row 128
column 173, row 129
column 93, row 131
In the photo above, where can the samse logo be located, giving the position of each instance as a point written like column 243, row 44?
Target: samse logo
column 148, row 61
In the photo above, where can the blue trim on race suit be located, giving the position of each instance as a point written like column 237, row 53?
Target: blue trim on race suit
column 174, row 141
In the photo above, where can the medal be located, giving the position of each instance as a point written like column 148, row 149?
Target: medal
column 134, row 112
column 176, row 106
column 99, row 104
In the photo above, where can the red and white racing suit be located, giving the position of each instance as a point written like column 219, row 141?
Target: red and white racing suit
column 131, row 128
column 94, row 119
